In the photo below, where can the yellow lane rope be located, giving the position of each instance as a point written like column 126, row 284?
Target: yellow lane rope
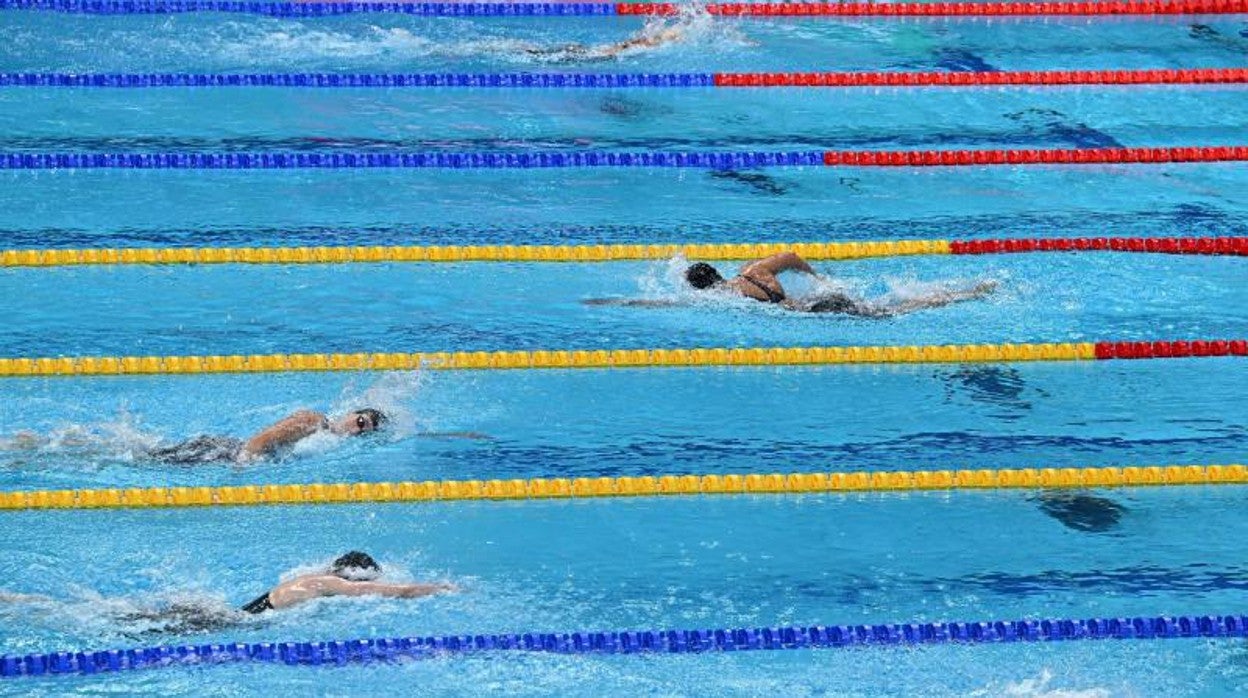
column 617, row 358
column 564, row 488
column 462, row 253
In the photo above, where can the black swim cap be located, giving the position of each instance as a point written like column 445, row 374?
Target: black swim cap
column 377, row 416
column 355, row 566
column 702, row 275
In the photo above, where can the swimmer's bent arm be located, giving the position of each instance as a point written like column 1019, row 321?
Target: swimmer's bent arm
column 297, row 426
column 777, row 263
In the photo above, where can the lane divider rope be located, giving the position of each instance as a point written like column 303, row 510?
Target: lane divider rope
column 609, row 487
column 1180, row 76
column 1229, row 246
column 616, row 358
column 339, row 652
column 531, row 160
column 602, row 9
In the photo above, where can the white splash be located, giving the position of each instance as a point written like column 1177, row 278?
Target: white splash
column 245, row 44
column 1038, row 687
column 903, row 288
column 117, row 438
column 394, row 393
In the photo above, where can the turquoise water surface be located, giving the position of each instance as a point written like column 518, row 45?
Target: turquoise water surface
column 650, row 562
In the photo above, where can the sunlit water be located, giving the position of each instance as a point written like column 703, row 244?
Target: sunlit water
column 646, row 563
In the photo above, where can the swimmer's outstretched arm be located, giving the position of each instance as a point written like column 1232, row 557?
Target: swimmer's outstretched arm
column 13, row 597
column 305, row 588
column 475, row 435
column 934, row 300
column 645, row 39
column 24, row 440
column 632, row 302
column 398, row 591
column 297, row 426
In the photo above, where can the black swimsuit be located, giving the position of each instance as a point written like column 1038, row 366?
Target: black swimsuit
column 772, row 296
column 258, row 605
column 201, row 449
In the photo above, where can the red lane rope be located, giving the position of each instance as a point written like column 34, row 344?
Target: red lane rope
column 1076, row 156
column 1237, row 246
column 1167, row 350
column 1187, row 76
column 945, row 9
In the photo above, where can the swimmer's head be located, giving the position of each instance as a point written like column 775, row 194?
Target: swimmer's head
column 702, row 275
column 361, row 421
column 355, row 566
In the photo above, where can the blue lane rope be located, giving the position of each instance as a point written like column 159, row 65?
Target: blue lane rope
column 631, row 642
column 359, row 80
column 333, row 160
column 317, row 9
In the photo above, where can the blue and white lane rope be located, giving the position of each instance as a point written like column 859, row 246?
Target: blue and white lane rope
column 556, row 159
column 418, row 160
column 337, row 652
column 994, row 78
column 535, row 80
column 318, row 9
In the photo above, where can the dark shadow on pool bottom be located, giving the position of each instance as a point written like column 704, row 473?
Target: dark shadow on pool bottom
column 1081, row 512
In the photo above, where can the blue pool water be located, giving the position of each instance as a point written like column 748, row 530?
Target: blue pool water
column 644, row 563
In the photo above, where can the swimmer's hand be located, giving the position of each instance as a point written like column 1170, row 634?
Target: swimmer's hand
column 414, row 591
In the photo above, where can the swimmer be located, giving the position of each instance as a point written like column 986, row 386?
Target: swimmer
column 651, row 36
column 757, row 280
column 353, row 574
column 271, row 441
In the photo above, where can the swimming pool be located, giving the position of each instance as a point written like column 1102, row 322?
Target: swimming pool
column 638, row 563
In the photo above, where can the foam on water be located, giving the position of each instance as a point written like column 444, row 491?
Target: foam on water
column 393, row 393
column 1039, row 687
column 120, row 438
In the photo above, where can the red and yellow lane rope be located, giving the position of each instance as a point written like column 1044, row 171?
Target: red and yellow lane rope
column 1225, row 246
column 617, row 358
